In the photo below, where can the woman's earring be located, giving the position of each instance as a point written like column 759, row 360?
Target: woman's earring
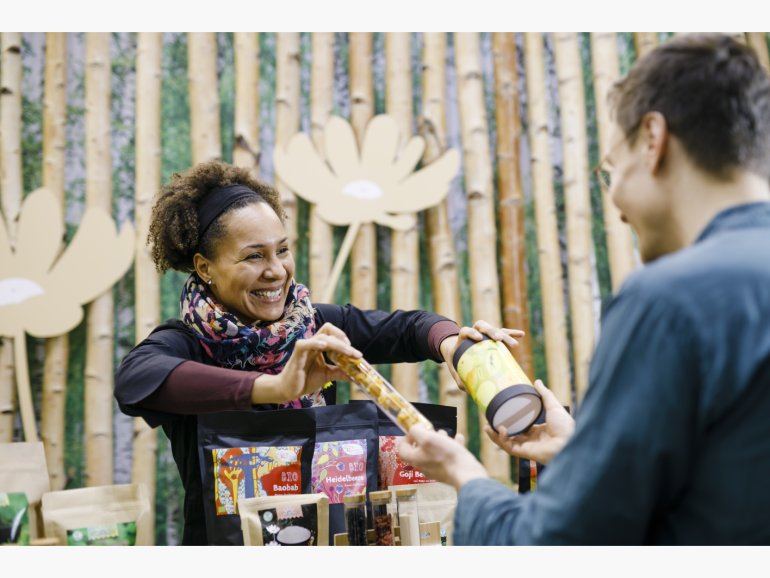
column 211, row 281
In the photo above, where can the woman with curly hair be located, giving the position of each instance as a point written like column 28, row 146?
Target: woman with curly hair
column 249, row 336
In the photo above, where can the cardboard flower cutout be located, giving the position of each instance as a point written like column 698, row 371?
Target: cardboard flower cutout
column 376, row 184
column 42, row 289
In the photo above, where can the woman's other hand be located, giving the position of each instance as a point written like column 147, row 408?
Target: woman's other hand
column 306, row 371
column 479, row 330
column 541, row 442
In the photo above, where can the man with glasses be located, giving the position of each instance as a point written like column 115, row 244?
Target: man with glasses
column 672, row 442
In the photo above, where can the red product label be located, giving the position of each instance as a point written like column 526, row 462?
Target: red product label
column 282, row 480
column 254, row 471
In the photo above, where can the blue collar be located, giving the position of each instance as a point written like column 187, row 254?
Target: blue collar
column 747, row 216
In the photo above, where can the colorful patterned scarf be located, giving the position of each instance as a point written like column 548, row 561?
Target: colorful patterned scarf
column 264, row 346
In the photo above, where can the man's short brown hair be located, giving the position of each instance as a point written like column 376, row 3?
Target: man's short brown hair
column 714, row 95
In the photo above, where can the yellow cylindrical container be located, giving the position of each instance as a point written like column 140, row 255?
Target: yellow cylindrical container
column 498, row 385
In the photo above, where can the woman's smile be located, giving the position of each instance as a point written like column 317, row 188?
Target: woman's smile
column 269, row 295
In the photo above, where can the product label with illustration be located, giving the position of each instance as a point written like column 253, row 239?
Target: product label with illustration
column 254, row 471
column 486, row 368
column 290, row 525
column 392, row 470
column 339, row 469
column 14, row 518
column 122, row 534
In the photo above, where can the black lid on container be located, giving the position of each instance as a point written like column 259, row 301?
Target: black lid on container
column 466, row 343
column 516, row 408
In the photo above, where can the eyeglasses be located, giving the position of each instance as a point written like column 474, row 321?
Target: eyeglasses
column 602, row 173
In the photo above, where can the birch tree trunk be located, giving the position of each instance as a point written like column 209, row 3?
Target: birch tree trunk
column 287, row 116
column 321, row 245
column 482, row 234
column 443, row 260
column 758, row 41
column 363, row 257
column 99, row 320
column 146, row 278
column 247, row 148
column 405, row 245
column 204, row 96
column 513, row 257
column 546, row 223
column 620, row 243
column 577, row 200
column 644, row 42
column 56, row 348
column 11, row 195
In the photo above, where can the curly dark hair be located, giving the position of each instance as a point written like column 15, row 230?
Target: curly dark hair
column 173, row 235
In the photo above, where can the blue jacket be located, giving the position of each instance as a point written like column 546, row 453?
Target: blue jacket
column 672, row 442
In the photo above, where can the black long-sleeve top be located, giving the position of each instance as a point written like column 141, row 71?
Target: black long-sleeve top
column 382, row 337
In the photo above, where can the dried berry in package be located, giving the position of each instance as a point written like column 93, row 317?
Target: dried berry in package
column 391, row 469
column 345, row 456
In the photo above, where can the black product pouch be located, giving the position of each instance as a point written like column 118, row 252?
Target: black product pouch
column 245, row 454
column 391, row 469
column 345, row 456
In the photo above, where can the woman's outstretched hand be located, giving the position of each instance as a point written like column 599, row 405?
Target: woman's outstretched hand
column 306, row 371
column 479, row 330
column 541, row 442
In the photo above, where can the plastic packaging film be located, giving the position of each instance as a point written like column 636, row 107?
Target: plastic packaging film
column 380, row 391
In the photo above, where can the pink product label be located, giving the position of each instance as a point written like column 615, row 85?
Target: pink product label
column 339, row 469
column 393, row 471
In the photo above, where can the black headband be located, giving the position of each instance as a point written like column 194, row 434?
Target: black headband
column 217, row 201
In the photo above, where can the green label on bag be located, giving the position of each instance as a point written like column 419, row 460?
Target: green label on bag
column 123, row 534
column 14, row 518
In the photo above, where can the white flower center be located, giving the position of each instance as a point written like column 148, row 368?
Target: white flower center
column 366, row 190
column 17, row 289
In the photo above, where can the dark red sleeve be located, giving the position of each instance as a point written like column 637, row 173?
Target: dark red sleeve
column 438, row 332
column 193, row 388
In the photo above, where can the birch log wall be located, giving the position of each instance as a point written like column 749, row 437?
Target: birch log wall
column 405, row 245
column 57, row 348
column 546, row 223
column 644, row 42
column 482, row 235
column 363, row 257
column 287, row 117
column 10, row 198
column 99, row 320
column 523, row 239
column 203, row 85
column 513, row 265
column 443, row 254
column 758, row 41
column 147, row 280
column 606, row 70
column 246, row 150
column 321, row 241
column 569, row 73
